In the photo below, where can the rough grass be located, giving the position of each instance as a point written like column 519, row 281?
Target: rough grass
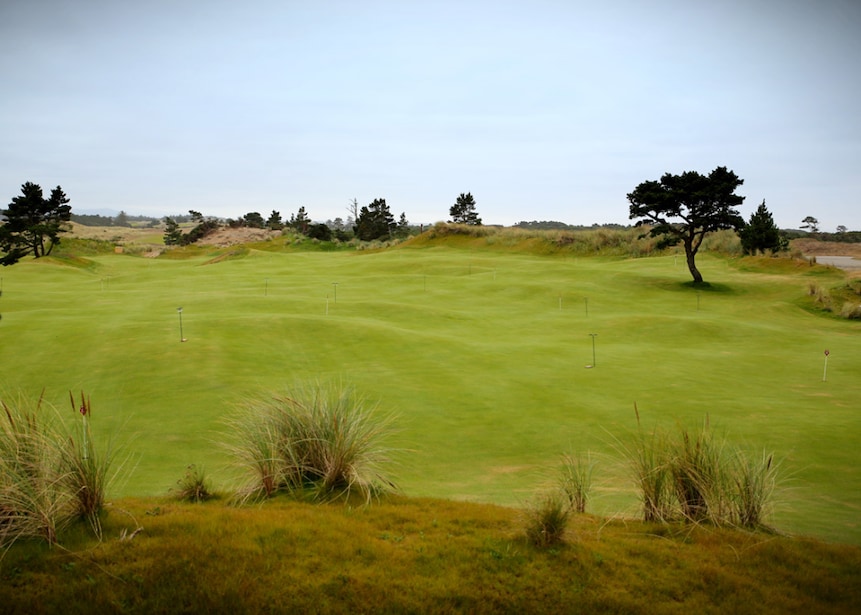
column 418, row 555
column 481, row 352
column 322, row 440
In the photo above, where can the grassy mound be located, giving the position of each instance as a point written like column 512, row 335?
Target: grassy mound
column 418, row 555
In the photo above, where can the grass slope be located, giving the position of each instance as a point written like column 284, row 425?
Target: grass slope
column 418, row 555
column 482, row 353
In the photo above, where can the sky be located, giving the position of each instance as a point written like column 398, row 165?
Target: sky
column 542, row 110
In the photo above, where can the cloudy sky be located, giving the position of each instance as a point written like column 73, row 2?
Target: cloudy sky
column 543, row 110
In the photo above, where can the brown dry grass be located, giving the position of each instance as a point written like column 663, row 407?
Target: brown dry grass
column 814, row 247
column 222, row 238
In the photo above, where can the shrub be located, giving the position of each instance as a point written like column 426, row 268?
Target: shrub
column 821, row 297
column 547, row 520
column 193, row 486
column 576, row 480
column 323, row 441
column 851, row 310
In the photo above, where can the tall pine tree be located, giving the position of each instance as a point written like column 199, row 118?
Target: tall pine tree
column 761, row 233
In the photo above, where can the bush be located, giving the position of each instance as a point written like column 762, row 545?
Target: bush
column 821, row 297
column 193, row 486
column 851, row 310
column 323, row 441
column 547, row 520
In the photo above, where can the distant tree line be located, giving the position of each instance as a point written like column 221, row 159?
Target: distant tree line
column 121, row 220
column 553, row 225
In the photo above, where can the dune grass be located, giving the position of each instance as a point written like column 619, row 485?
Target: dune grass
column 321, row 441
column 481, row 353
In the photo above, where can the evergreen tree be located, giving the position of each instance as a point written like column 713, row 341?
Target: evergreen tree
column 30, row 220
column 761, row 233
column 375, row 222
column 685, row 208
column 300, row 221
column 253, row 219
column 403, row 226
column 463, row 211
column 172, row 234
column 811, row 224
column 274, row 222
column 122, row 219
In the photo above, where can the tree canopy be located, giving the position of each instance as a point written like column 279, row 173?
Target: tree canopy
column 375, row 221
column 32, row 224
column 811, row 224
column 684, row 208
column 761, row 233
column 463, row 211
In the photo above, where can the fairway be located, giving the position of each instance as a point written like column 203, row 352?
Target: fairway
column 482, row 355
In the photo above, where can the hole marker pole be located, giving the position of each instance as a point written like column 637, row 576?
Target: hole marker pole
column 825, row 370
column 593, row 336
column 181, row 337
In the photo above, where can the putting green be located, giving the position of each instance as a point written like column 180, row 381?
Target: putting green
column 483, row 355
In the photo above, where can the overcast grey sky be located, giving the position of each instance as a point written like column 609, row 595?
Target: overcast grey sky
column 544, row 110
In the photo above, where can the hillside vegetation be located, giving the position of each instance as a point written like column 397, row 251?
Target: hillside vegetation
column 418, row 555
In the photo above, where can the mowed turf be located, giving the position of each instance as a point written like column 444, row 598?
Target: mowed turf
column 483, row 356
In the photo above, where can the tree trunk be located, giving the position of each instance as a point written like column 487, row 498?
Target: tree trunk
column 692, row 265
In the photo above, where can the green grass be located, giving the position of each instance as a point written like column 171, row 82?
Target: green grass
column 416, row 555
column 480, row 352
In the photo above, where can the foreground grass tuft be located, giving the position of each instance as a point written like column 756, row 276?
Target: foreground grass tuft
column 48, row 477
column 547, row 519
column 696, row 477
column 322, row 441
column 194, row 486
column 576, row 480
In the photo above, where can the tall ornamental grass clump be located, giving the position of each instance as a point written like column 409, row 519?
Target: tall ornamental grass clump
column 576, row 480
column 48, row 476
column 755, row 479
column 648, row 457
column 86, row 471
column 696, row 477
column 33, row 501
column 322, row 441
column 698, row 469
